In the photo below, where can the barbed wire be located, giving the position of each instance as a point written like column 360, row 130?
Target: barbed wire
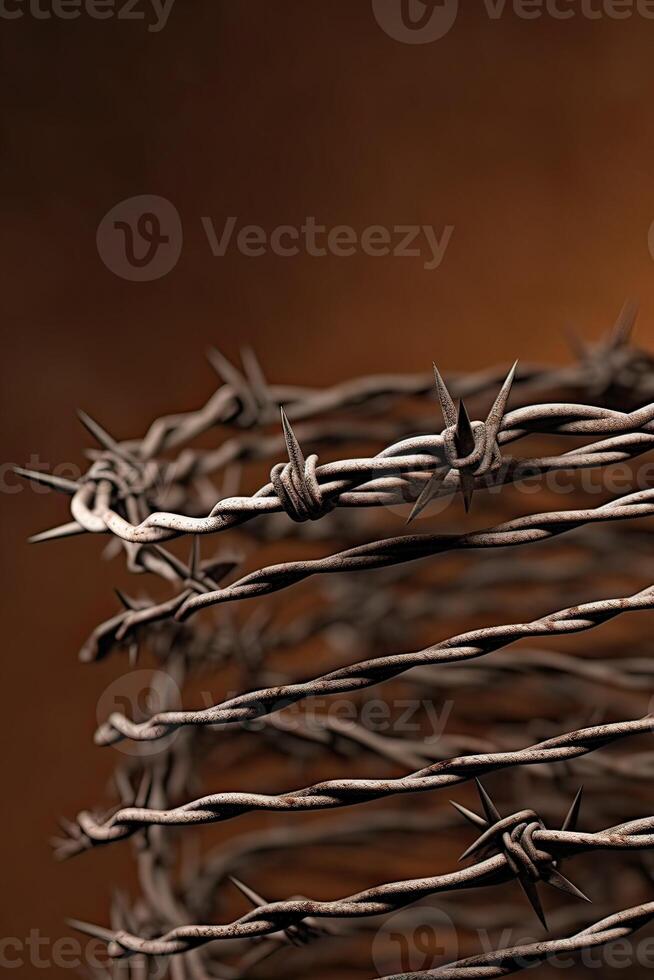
column 296, row 486
column 357, row 677
column 504, row 962
column 523, row 841
column 89, row 831
column 140, row 499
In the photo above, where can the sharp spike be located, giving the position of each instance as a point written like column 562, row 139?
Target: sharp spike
column 49, row 479
column 225, row 369
column 465, row 437
column 249, row 893
column 491, row 811
column 293, row 448
column 428, row 493
column 557, row 880
column 530, row 890
column 467, row 488
column 572, row 816
column 473, row 818
column 97, row 932
column 97, row 431
column 621, row 333
column 54, row 533
column 496, row 414
column 125, row 600
column 474, row 847
column 465, row 443
column 447, row 405
column 255, row 375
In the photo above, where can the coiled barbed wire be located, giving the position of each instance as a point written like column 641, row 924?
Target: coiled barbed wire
column 357, row 677
column 379, row 554
column 393, row 551
column 125, row 481
column 337, row 793
column 367, row 482
column 542, row 845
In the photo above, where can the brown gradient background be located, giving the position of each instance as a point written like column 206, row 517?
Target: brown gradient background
column 533, row 138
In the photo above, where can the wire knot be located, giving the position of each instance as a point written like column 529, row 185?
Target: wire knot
column 484, row 456
column 470, row 448
column 296, row 483
column 513, row 836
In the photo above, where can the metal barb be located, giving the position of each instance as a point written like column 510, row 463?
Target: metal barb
column 495, row 838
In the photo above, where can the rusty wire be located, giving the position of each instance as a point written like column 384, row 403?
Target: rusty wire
column 296, row 486
column 89, row 831
column 526, row 850
column 458, row 649
column 504, row 962
column 121, row 495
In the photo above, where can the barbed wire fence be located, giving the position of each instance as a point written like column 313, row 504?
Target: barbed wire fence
column 381, row 693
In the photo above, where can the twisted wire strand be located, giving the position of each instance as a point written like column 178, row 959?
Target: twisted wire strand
column 377, row 615
column 245, row 399
column 513, row 959
column 385, row 553
column 359, row 676
column 394, row 551
column 373, row 481
column 623, row 673
column 241, row 852
column 387, row 898
column 337, row 793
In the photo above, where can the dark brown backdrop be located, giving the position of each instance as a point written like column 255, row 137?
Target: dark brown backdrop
column 533, row 138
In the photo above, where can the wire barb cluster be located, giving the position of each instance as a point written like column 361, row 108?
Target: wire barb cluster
column 143, row 493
